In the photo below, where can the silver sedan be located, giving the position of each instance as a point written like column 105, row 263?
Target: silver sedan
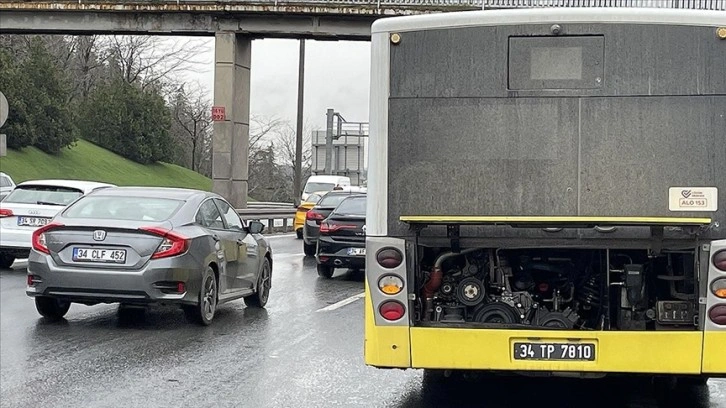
column 141, row 245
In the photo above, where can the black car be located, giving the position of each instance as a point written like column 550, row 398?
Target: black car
column 342, row 240
column 317, row 214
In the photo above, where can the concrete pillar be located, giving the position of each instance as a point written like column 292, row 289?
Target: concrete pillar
column 230, row 146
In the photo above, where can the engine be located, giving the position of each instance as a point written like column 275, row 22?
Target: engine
column 482, row 286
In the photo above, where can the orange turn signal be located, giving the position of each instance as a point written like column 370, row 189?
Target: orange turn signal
column 390, row 284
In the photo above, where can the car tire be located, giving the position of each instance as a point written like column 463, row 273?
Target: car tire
column 203, row 312
column 299, row 233
column 6, row 261
column 264, row 283
column 51, row 308
column 309, row 249
column 325, row 271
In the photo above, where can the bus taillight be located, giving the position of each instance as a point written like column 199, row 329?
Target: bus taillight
column 392, row 310
column 718, row 287
column 717, row 314
column 719, row 260
column 389, row 258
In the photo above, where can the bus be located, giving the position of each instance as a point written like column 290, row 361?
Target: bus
column 547, row 193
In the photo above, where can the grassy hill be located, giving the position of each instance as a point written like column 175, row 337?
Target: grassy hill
column 87, row 161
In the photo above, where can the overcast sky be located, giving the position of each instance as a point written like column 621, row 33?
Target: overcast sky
column 336, row 76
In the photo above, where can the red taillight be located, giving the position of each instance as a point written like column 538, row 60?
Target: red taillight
column 313, row 215
column 181, row 287
column 38, row 238
column 719, row 260
column 327, row 228
column 389, row 257
column 392, row 310
column 717, row 314
column 6, row 212
column 173, row 244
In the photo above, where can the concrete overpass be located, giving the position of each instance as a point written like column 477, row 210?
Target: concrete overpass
column 235, row 23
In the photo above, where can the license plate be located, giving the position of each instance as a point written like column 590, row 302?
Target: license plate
column 356, row 251
column 99, row 255
column 554, row 351
column 32, row 221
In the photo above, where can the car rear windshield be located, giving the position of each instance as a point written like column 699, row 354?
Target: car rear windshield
column 332, row 200
column 310, row 187
column 42, row 194
column 352, row 206
column 124, row 208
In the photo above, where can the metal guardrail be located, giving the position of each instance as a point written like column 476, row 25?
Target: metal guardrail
column 269, row 215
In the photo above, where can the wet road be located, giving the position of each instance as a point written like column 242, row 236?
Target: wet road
column 291, row 354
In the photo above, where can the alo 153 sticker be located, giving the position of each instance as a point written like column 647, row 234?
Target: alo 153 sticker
column 693, row 199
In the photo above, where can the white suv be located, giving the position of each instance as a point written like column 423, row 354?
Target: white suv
column 31, row 205
column 6, row 185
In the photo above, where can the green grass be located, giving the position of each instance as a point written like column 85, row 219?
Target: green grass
column 86, row 161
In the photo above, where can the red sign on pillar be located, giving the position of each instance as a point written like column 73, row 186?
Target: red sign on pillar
column 218, row 113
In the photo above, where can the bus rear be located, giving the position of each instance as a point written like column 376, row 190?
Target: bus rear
column 546, row 192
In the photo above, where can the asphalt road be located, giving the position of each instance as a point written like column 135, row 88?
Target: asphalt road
column 303, row 350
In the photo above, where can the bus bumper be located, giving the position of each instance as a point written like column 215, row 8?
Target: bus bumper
column 477, row 349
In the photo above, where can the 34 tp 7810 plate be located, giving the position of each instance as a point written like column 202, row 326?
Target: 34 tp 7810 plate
column 554, row 351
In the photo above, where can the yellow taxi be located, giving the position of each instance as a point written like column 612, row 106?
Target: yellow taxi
column 304, row 207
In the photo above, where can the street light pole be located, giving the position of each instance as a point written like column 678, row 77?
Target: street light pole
column 297, row 179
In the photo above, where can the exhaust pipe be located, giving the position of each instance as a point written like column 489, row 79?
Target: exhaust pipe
column 337, row 262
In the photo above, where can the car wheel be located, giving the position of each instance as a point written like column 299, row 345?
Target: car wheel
column 51, row 308
column 299, row 233
column 264, row 283
column 203, row 312
column 325, row 271
column 6, row 261
column 309, row 249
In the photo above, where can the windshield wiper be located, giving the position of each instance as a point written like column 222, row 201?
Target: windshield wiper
column 46, row 203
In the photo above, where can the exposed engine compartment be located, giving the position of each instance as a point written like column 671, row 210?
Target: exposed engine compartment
column 595, row 289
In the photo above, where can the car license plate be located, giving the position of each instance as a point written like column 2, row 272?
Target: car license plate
column 554, row 351
column 99, row 255
column 32, row 221
column 356, row 251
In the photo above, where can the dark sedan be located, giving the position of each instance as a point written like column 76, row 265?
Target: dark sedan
column 317, row 214
column 138, row 245
column 342, row 240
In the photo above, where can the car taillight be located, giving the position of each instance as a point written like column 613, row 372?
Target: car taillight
column 327, row 227
column 173, row 244
column 6, row 212
column 719, row 260
column 389, row 257
column 392, row 310
column 717, row 314
column 38, row 237
column 718, row 287
column 314, row 215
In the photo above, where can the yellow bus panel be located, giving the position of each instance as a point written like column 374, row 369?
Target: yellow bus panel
column 385, row 346
column 622, row 352
column 714, row 352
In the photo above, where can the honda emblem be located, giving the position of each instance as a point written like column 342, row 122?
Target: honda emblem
column 99, row 235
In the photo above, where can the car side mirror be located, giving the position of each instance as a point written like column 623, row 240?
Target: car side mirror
column 255, row 227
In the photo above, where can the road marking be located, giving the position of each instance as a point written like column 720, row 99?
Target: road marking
column 343, row 302
column 284, row 256
column 288, row 235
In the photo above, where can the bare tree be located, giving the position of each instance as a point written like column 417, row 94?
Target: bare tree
column 148, row 60
column 192, row 114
